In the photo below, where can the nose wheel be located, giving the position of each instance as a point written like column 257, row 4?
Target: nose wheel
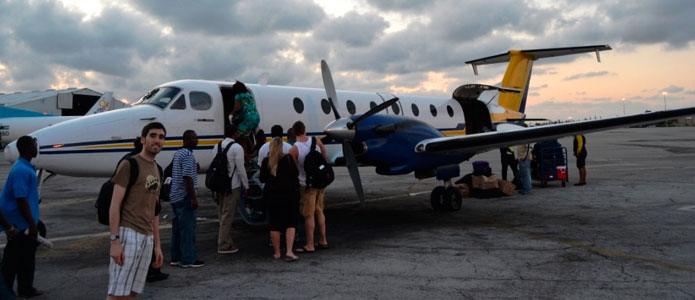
column 446, row 198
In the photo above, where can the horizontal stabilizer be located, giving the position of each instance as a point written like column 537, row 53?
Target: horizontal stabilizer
column 481, row 142
column 539, row 53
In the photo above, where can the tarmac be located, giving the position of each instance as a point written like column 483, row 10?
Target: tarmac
column 629, row 233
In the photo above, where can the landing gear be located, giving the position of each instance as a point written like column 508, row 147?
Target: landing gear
column 446, row 198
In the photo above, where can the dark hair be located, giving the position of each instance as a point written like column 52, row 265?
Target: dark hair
column 260, row 136
column 276, row 131
column 188, row 133
column 25, row 144
column 137, row 146
column 239, row 88
column 299, row 128
column 230, row 130
column 150, row 126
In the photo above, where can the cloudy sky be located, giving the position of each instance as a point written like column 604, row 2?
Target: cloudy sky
column 400, row 46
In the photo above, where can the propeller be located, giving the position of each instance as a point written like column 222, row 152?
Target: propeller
column 340, row 124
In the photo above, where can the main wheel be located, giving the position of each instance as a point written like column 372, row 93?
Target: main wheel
column 437, row 198
column 452, row 199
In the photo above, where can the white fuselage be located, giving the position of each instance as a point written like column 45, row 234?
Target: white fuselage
column 91, row 145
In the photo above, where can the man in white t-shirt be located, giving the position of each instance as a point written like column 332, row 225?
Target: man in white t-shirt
column 275, row 131
column 311, row 199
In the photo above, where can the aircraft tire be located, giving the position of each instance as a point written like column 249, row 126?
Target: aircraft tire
column 437, row 198
column 452, row 199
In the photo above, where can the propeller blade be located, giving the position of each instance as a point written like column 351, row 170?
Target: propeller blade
column 372, row 111
column 351, row 164
column 330, row 87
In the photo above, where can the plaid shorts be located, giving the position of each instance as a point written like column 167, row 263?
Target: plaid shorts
column 131, row 276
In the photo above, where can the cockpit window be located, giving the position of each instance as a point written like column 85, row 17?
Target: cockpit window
column 179, row 103
column 159, row 96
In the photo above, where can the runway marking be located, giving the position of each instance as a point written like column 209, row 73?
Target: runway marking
column 688, row 208
column 594, row 249
column 381, row 199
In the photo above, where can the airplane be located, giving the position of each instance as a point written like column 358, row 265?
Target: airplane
column 397, row 134
column 24, row 122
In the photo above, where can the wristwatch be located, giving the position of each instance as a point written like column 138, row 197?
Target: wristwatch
column 114, row 237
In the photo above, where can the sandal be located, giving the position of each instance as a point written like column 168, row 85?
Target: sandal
column 304, row 250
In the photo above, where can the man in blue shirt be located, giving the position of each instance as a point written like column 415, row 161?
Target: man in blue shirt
column 20, row 205
column 184, row 183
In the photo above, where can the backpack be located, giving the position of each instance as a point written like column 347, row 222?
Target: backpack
column 217, row 176
column 319, row 174
column 103, row 203
column 166, row 182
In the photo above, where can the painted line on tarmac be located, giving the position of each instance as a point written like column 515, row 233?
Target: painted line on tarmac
column 105, row 234
column 380, row 199
column 207, row 221
column 597, row 250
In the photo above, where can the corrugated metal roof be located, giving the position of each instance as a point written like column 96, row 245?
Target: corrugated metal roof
column 19, row 98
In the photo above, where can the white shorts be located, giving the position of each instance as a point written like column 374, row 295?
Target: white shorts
column 131, row 276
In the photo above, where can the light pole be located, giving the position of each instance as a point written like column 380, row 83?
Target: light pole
column 623, row 106
column 664, row 93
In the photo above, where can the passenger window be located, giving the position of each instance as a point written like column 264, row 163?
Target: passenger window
column 180, row 103
column 433, row 110
column 450, row 111
column 372, row 104
column 350, row 107
column 325, row 106
column 200, row 101
column 395, row 108
column 416, row 111
column 298, row 105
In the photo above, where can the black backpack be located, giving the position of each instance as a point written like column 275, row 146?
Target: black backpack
column 103, row 203
column 166, row 182
column 319, row 174
column 217, row 176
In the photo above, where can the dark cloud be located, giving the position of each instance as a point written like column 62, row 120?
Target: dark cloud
column 354, row 29
column 589, row 75
column 400, row 5
column 672, row 89
column 234, row 18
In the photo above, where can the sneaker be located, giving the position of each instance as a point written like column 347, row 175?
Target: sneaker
column 232, row 250
column 156, row 276
column 196, row 264
column 175, row 263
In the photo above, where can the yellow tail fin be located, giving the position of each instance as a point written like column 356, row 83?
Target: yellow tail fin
column 518, row 74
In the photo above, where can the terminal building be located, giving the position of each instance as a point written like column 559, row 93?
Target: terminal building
column 67, row 102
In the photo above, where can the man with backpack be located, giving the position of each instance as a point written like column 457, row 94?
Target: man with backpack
column 133, row 222
column 311, row 196
column 184, row 203
column 228, row 195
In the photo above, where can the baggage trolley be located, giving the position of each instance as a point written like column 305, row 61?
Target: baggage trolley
column 550, row 164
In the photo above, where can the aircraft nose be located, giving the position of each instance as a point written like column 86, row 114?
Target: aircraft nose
column 11, row 153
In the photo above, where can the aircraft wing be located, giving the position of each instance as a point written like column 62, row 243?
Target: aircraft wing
column 492, row 140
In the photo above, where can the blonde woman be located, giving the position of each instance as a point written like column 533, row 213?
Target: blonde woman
column 281, row 194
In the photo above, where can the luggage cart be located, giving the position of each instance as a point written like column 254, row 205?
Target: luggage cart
column 550, row 163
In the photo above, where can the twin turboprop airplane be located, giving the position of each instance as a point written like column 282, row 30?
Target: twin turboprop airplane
column 428, row 136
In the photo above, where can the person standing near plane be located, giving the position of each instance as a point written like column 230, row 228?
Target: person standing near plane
column 508, row 160
column 133, row 222
column 20, row 205
column 281, row 192
column 579, row 146
column 523, row 153
column 311, row 202
column 184, row 203
column 227, row 202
